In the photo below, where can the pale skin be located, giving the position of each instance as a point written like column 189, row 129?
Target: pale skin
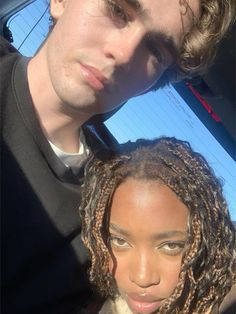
column 99, row 54
column 148, row 233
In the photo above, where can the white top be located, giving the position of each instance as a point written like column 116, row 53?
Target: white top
column 73, row 160
column 118, row 306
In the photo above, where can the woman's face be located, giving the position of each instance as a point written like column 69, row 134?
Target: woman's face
column 148, row 232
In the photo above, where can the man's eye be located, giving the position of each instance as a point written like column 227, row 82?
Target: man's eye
column 117, row 12
column 172, row 248
column 156, row 52
column 155, row 47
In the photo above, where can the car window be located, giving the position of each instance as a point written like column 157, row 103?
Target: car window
column 29, row 27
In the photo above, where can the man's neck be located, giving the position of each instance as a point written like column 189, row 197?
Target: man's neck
column 59, row 122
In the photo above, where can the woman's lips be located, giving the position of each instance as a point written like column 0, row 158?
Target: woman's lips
column 93, row 77
column 143, row 304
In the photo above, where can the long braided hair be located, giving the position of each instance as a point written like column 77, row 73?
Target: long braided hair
column 208, row 264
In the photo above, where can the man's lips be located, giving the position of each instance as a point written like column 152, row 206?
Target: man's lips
column 144, row 304
column 93, row 77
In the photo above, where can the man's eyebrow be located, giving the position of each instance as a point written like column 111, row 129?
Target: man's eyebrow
column 167, row 40
column 135, row 4
column 156, row 36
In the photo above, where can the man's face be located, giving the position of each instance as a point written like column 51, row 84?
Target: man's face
column 102, row 52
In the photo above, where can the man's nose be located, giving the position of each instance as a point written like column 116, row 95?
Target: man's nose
column 124, row 44
column 143, row 270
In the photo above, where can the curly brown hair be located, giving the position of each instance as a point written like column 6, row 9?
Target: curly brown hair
column 208, row 265
column 200, row 43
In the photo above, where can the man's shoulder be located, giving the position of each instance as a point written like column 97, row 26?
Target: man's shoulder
column 6, row 47
column 8, row 56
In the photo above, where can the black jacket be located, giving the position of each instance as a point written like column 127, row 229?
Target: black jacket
column 43, row 258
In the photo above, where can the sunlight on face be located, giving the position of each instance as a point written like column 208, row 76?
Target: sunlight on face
column 116, row 49
column 148, row 231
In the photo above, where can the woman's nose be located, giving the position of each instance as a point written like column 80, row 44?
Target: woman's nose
column 144, row 270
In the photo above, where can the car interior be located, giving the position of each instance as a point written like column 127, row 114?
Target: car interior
column 210, row 99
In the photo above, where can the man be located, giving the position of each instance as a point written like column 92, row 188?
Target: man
column 98, row 55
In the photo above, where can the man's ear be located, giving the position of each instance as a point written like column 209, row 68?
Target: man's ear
column 57, row 8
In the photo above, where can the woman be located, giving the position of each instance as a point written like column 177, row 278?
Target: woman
column 158, row 230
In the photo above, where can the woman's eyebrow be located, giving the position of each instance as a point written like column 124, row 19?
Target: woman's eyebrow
column 170, row 234
column 118, row 229
column 158, row 236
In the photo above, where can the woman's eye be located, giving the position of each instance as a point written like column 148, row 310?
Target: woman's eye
column 118, row 242
column 172, row 248
column 117, row 12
